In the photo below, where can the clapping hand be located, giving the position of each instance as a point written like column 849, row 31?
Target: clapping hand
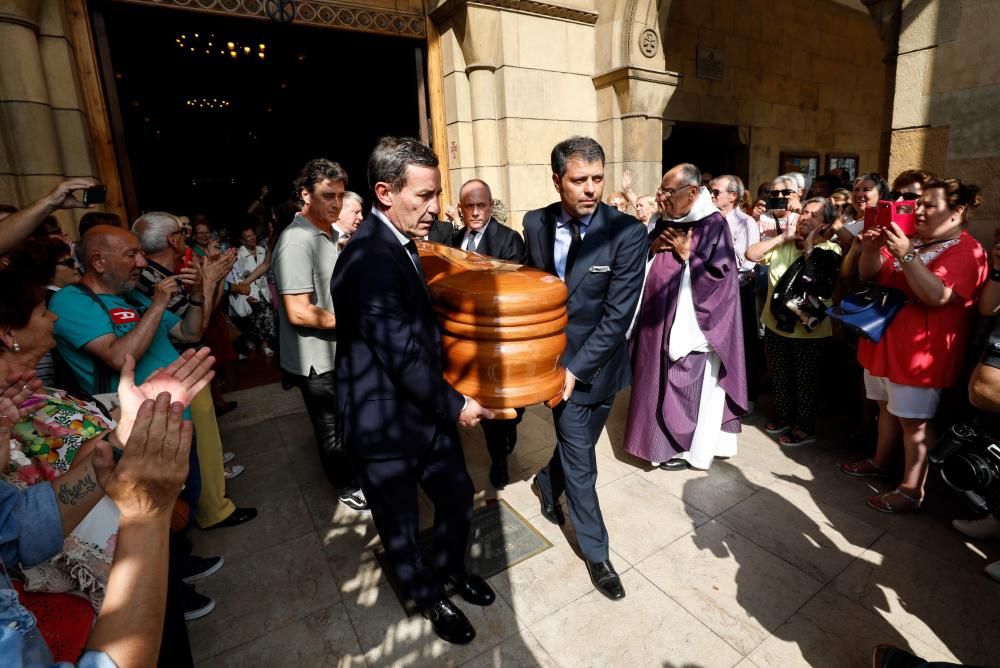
column 16, row 389
column 182, row 380
column 145, row 483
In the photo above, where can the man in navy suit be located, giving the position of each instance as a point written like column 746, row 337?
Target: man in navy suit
column 482, row 234
column 600, row 253
column 398, row 412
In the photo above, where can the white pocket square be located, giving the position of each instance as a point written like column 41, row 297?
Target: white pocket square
column 599, row 268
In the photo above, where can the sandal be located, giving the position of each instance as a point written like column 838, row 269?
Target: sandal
column 797, row 437
column 775, row 427
column 863, row 469
column 896, row 501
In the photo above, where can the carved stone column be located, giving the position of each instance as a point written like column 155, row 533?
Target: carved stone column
column 27, row 128
column 631, row 101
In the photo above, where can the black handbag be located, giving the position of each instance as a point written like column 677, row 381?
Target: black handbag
column 868, row 310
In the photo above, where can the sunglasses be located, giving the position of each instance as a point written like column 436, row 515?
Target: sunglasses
column 716, row 192
column 782, row 193
column 68, row 262
column 907, row 197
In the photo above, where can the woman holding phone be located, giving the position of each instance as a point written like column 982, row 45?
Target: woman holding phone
column 942, row 270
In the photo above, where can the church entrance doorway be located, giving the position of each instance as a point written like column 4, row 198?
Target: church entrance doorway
column 207, row 109
column 713, row 148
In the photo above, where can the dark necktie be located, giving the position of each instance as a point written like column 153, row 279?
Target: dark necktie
column 411, row 248
column 472, row 244
column 574, row 246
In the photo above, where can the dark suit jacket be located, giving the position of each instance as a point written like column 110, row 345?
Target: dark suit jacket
column 498, row 241
column 440, row 232
column 604, row 289
column 390, row 391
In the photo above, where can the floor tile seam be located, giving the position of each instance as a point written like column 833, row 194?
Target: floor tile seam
column 695, row 617
column 265, row 632
column 753, row 493
column 262, row 549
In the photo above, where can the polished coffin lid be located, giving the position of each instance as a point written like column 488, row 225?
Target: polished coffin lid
column 502, row 326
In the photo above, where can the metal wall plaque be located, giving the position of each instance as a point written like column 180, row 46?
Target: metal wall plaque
column 710, row 63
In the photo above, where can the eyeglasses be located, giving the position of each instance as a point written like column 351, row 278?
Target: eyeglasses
column 782, row 193
column 68, row 262
column 669, row 192
column 907, row 197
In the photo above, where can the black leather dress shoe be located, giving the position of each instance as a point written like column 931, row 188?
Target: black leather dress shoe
column 605, row 579
column 498, row 474
column 449, row 622
column 473, row 588
column 550, row 511
column 236, row 518
column 675, row 465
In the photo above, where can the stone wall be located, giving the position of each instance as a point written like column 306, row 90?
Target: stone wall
column 800, row 75
column 44, row 136
column 947, row 95
column 515, row 85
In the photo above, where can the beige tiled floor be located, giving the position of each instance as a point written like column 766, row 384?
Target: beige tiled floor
column 769, row 559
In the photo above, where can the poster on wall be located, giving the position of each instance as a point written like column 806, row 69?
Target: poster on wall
column 847, row 161
column 804, row 161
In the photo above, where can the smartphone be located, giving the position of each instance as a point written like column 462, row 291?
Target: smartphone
column 95, row 195
column 885, row 212
column 776, row 203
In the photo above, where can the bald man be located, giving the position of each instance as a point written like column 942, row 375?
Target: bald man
column 482, row 234
column 103, row 318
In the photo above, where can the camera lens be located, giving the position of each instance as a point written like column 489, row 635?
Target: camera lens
column 969, row 472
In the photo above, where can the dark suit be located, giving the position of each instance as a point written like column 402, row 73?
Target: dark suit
column 604, row 287
column 440, row 232
column 502, row 243
column 398, row 412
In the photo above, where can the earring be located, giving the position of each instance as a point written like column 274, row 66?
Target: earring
column 16, row 347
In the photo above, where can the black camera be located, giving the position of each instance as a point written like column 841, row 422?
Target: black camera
column 969, row 461
column 777, row 203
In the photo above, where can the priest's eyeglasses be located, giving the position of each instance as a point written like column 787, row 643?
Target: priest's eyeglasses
column 669, row 192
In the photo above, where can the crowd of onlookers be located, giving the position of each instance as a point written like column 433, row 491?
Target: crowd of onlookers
column 803, row 248
column 93, row 331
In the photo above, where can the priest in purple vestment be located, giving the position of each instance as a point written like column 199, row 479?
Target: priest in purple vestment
column 688, row 370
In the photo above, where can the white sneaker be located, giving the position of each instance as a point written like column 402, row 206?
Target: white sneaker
column 228, row 457
column 993, row 570
column 354, row 500
column 234, row 471
column 986, row 527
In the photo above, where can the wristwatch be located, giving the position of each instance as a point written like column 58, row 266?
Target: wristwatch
column 908, row 258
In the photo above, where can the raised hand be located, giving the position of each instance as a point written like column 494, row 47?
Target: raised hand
column 61, row 197
column 145, row 483
column 627, row 181
column 182, row 380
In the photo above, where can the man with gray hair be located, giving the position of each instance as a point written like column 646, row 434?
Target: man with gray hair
column 727, row 191
column 164, row 245
column 689, row 376
column 350, row 216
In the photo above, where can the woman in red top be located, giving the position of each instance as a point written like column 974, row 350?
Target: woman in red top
column 941, row 269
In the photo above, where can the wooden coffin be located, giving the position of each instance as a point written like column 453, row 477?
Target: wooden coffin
column 502, row 326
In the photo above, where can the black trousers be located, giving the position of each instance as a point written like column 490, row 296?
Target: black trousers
column 753, row 347
column 795, row 366
column 501, row 436
column 319, row 391
column 175, row 647
column 390, row 485
column 573, row 469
